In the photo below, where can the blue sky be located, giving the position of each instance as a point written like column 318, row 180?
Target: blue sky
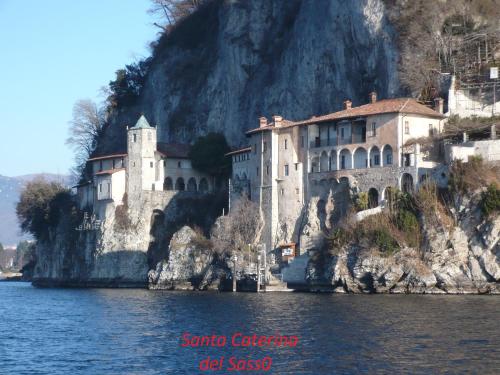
column 52, row 53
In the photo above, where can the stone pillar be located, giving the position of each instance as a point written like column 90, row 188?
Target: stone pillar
column 337, row 157
column 493, row 133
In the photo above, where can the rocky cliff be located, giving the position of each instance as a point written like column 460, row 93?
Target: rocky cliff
column 234, row 61
column 462, row 259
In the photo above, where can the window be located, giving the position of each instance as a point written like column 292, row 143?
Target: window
column 255, row 148
column 431, row 130
column 406, row 160
column 113, row 164
column 388, row 160
column 109, row 187
column 133, row 164
column 179, row 164
column 135, row 138
column 286, row 170
column 153, row 187
column 282, row 191
column 100, row 165
column 286, row 144
column 151, row 164
column 267, row 170
column 297, row 190
column 264, row 148
column 296, row 166
column 342, row 133
column 342, row 162
column 100, row 188
column 376, row 160
column 407, row 127
column 257, row 171
column 302, row 141
column 374, row 129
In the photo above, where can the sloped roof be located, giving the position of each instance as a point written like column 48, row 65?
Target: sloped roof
column 110, row 171
column 174, row 150
column 103, row 157
column 142, row 123
column 398, row 105
column 240, row 151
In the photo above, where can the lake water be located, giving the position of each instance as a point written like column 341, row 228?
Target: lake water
column 112, row 331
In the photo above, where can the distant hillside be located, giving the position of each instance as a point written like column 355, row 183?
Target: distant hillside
column 10, row 189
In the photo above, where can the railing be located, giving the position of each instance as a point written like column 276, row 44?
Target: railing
column 353, row 139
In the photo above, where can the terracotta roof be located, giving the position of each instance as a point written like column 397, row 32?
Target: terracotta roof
column 284, row 123
column 398, row 105
column 174, row 150
column 110, row 171
column 240, row 151
column 111, row 156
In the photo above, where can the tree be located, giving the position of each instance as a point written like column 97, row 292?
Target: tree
column 25, row 253
column 208, row 155
column 234, row 232
column 84, row 131
column 40, row 205
column 172, row 11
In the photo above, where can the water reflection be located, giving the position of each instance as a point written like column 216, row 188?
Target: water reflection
column 62, row 331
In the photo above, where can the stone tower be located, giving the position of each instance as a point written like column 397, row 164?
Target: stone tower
column 141, row 147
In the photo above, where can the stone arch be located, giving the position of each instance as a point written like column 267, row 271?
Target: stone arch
column 360, row 158
column 244, row 176
column 203, row 187
column 345, row 159
column 168, row 184
column 315, row 164
column 375, row 157
column 191, row 185
column 387, row 155
column 372, row 198
column 344, row 181
column 179, row 184
column 323, row 162
column 333, row 161
column 388, row 196
column 407, row 183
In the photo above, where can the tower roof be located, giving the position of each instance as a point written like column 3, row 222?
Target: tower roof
column 142, row 123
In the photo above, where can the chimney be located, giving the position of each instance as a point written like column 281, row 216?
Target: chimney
column 277, row 120
column 372, row 97
column 439, row 105
column 262, row 122
column 347, row 104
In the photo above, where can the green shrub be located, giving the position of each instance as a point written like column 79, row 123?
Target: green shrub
column 384, row 241
column 361, row 201
column 490, row 202
column 407, row 222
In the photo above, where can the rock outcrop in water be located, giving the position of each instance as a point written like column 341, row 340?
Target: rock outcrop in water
column 191, row 264
column 465, row 259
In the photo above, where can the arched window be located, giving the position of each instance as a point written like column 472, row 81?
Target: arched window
column 179, row 184
column 387, row 155
column 168, row 184
column 372, row 198
column 191, row 186
column 407, row 183
column 345, row 159
column 203, row 185
column 360, row 158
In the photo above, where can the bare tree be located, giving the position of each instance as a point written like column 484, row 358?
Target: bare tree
column 173, row 10
column 241, row 227
column 85, row 128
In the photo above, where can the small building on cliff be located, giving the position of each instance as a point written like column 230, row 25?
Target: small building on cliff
column 146, row 165
column 288, row 164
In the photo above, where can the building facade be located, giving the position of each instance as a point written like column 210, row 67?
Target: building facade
column 147, row 165
column 367, row 148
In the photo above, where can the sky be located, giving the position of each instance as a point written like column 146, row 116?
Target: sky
column 53, row 53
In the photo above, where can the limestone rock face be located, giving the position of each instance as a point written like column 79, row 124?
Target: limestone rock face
column 238, row 60
column 189, row 265
column 465, row 259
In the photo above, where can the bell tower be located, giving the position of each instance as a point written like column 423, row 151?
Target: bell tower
column 141, row 147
